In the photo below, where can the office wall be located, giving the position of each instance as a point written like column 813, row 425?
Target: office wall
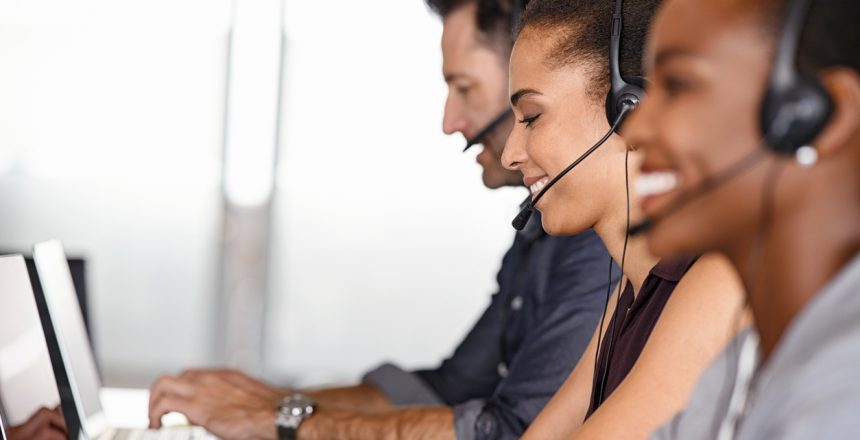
column 110, row 140
column 384, row 243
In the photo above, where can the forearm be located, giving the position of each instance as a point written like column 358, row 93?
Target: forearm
column 363, row 398
column 419, row 423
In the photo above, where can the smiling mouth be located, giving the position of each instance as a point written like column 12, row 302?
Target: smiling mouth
column 656, row 183
column 535, row 188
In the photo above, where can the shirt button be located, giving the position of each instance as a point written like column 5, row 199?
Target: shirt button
column 517, row 303
column 502, row 369
column 486, row 425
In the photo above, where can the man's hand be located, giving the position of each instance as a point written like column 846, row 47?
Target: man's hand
column 228, row 404
column 44, row 424
column 241, row 380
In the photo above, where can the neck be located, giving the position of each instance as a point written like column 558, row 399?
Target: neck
column 806, row 245
column 638, row 261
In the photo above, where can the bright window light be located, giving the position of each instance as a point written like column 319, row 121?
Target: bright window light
column 251, row 126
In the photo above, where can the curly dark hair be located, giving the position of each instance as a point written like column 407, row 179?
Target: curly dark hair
column 495, row 18
column 581, row 29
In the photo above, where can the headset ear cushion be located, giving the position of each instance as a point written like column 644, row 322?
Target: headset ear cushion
column 632, row 87
column 793, row 115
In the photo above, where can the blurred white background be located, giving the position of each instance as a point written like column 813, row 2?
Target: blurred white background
column 383, row 243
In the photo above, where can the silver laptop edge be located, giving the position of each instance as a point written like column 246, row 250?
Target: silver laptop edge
column 75, row 350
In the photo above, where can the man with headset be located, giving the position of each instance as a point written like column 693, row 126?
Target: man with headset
column 551, row 294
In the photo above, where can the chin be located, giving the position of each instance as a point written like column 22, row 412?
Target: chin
column 659, row 246
column 492, row 184
column 559, row 221
column 494, row 181
column 552, row 227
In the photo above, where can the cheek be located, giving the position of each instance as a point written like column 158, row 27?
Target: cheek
column 702, row 140
column 549, row 149
column 697, row 148
column 578, row 200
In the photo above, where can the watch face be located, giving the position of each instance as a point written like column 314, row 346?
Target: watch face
column 298, row 405
column 294, row 409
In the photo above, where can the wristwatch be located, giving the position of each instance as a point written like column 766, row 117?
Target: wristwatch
column 292, row 411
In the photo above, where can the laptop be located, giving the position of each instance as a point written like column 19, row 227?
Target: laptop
column 65, row 317
column 27, row 381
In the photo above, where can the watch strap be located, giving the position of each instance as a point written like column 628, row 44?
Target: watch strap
column 287, row 433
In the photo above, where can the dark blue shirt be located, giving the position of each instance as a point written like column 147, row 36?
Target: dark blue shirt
column 551, row 294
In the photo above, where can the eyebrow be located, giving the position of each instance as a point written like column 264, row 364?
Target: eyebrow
column 666, row 55
column 453, row 76
column 522, row 92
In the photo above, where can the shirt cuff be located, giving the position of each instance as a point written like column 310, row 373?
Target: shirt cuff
column 466, row 423
column 401, row 387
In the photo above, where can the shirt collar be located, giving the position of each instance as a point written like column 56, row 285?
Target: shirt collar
column 673, row 268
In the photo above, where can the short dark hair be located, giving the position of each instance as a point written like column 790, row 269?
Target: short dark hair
column 582, row 28
column 495, row 18
column 831, row 34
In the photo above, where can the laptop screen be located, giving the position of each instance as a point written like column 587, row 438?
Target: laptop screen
column 68, row 323
column 26, row 377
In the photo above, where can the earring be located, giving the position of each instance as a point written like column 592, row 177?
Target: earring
column 806, row 156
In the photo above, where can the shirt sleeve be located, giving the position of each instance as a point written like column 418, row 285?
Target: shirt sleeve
column 821, row 402
column 833, row 419
column 401, row 387
column 569, row 314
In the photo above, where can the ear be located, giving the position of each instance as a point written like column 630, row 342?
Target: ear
column 843, row 128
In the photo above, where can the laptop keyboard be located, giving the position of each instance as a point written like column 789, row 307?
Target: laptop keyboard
column 159, row 434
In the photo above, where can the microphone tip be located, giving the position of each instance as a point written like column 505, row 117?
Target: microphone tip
column 640, row 228
column 522, row 218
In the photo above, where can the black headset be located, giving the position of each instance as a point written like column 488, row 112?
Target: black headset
column 623, row 92
column 794, row 110
column 624, row 96
column 796, row 107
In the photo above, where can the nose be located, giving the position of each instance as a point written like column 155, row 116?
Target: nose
column 514, row 155
column 454, row 119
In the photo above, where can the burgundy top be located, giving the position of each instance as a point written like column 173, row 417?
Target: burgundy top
column 629, row 334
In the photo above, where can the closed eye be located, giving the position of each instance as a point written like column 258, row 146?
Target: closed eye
column 529, row 120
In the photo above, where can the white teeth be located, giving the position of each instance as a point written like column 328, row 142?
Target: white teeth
column 538, row 186
column 655, row 183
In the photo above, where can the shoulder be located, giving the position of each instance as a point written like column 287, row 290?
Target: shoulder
column 704, row 312
column 711, row 283
column 822, row 400
column 704, row 409
column 824, row 388
column 572, row 266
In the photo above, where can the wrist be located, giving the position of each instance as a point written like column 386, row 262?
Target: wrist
column 293, row 410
